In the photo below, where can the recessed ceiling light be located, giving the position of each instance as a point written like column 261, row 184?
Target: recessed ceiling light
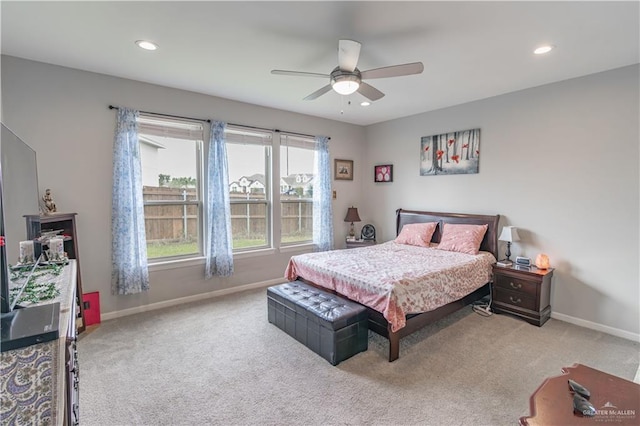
column 365, row 103
column 543, row 49
column 146, row 45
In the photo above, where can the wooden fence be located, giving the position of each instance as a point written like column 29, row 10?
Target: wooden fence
column 248, row 218
column 170, row 222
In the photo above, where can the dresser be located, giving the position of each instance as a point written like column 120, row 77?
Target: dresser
column 523, row 292
column 39, row 383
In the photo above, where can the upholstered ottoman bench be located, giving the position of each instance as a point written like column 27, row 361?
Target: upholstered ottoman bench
column 333, row 327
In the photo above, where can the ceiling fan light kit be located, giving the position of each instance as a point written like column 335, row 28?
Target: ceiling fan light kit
column 345, row 83
column 346, row 79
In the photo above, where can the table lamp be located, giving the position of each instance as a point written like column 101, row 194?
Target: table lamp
column 509, row 234
column 352, row 216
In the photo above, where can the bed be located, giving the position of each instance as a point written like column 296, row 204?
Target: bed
column 398, row 299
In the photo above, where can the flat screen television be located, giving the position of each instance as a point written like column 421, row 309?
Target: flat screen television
column 19, row 197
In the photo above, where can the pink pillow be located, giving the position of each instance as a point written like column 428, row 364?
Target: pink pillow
column 417, row 234
column 462, row 238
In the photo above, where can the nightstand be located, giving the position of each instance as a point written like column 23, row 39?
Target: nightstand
column 360, row 243
column 523, row 292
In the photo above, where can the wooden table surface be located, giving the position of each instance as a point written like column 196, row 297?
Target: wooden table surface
column 616, row 400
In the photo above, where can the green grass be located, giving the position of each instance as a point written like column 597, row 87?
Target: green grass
column 157, row 250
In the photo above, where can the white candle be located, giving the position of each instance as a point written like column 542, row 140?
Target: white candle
column 26, row 252
column 56, row 248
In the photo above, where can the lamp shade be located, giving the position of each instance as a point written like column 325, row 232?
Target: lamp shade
column 352, row 215
column 509, row 234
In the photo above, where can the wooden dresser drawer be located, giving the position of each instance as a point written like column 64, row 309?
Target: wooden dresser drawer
column 515, row 298
column 516, row 284
column 524, row 293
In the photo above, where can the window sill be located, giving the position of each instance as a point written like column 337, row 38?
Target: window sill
column 177, row 263
column 198, row 261
column 253, row 253
column 297, row 248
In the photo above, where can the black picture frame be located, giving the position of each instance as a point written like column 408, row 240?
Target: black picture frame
column 383, row 173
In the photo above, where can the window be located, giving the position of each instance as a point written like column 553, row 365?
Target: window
column 296, row 189
column 249, row 161
column 171, row 157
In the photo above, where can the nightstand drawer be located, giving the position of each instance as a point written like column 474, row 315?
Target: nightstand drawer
column 515, row 298
column 516, row 284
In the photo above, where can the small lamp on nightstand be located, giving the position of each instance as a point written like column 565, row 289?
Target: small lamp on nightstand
column 509, row 234
column 352, row 216
column 542, row 261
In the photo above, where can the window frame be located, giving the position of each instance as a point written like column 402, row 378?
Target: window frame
column 152, row 125
column 300, row 142
column 267, row 143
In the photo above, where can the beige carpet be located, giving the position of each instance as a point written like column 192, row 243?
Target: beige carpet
column 220, row 362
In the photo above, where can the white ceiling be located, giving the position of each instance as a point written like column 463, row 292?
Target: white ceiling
column 470, row 50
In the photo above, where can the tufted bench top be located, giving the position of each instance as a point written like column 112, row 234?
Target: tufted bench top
column 332, row 311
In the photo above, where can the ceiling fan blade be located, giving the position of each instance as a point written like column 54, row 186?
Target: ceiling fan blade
column 348, row 54
column 299, row 73
column 394, row 71
column 318, row 93
column 369, row 92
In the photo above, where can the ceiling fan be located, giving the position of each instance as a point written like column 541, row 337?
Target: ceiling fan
column 346, row 78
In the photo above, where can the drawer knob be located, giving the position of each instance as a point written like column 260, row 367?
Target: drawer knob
column 516, row 286
column 518, row 300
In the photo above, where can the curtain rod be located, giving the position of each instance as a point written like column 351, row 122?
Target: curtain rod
column 232, row 124
column 166, row 115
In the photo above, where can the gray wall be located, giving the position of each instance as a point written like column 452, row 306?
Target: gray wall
column 560, row 162
column 62, row 113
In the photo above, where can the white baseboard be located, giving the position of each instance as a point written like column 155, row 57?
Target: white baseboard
column 598, row 327
column 187, row 299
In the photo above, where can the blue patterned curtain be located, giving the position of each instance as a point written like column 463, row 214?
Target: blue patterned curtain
column 322, row 212
column 129, row 273
column 220, row 246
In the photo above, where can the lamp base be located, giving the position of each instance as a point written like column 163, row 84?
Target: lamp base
column 508, row 252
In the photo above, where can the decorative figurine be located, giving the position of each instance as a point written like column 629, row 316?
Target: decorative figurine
column 50, row 206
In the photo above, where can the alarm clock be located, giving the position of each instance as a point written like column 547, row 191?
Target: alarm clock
column 523, row 261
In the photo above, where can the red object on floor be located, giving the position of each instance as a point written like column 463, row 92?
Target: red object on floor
column 91, row 308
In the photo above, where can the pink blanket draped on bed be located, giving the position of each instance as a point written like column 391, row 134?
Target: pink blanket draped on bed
column 395, row 279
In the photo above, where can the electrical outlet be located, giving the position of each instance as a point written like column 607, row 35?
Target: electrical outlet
column 335, row 194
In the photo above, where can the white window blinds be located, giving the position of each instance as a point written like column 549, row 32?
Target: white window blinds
column 239, row 135
column 170, row 128
column 297, row 141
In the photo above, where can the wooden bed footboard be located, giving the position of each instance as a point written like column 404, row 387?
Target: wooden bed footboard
column 378, row 323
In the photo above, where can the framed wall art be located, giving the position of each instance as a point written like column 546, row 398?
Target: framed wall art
column 343, row 169
column 450, row 153
column 383, row 173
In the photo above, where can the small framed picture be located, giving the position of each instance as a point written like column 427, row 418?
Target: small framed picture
column 383, row 173
column 343, row 169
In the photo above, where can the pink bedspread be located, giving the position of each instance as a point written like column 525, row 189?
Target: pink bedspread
column 395, row 279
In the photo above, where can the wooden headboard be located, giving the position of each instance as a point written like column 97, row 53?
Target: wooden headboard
column 489, row 242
